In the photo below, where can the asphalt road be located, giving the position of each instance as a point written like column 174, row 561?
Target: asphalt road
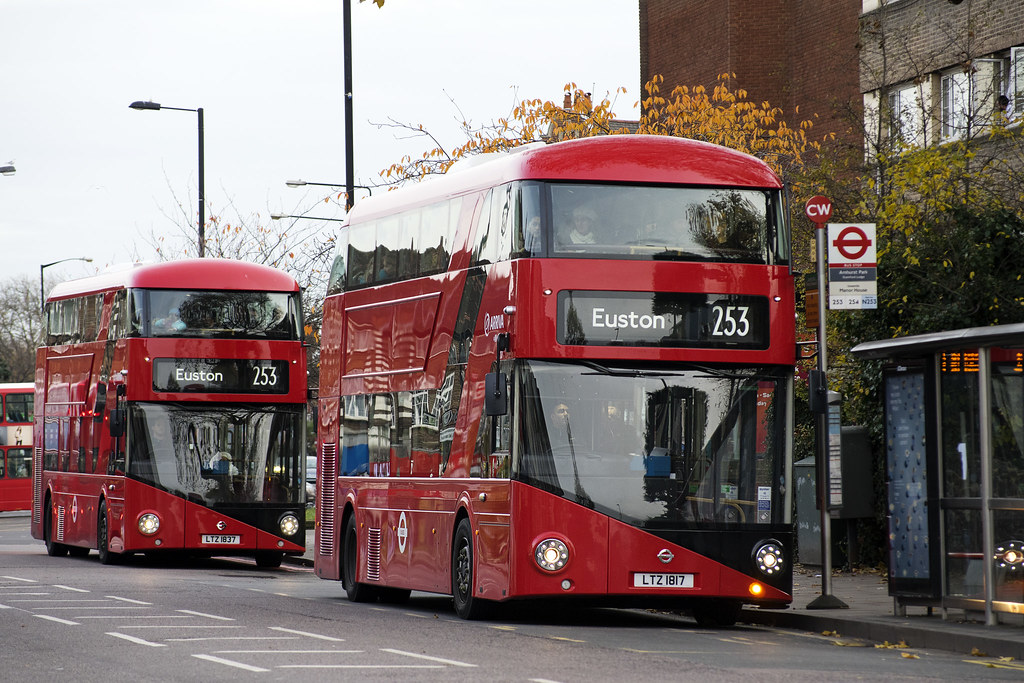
column 75, row 619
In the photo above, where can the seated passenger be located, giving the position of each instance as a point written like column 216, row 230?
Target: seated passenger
column 583, row 221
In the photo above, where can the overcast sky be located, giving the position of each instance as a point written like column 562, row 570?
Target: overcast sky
column 95, row 178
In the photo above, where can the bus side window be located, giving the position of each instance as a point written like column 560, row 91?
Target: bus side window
column 361, row 246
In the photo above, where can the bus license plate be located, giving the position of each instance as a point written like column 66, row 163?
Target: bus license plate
column 641, row 580
column 222, row 539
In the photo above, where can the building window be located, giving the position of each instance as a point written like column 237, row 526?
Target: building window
column 956, row 105
column 905, row 115
column 1015, row 92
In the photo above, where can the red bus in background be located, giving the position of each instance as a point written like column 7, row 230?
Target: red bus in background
column 16, row 446
column 170, row 413
column 563, row 372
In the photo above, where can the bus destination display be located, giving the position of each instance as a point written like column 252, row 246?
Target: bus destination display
column 220, row 375
column 595, row 318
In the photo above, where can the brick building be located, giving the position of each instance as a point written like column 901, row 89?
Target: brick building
column 791, row 53
column 928, row 70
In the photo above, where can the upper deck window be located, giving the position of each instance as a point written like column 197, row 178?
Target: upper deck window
column 672, row 223
column 222, row 314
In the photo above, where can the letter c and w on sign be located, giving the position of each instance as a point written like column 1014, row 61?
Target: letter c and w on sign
column 818, row 209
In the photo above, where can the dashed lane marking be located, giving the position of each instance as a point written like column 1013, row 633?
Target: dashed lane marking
column 133, row 639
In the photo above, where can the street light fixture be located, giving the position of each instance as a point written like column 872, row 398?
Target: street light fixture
column 7, row 169
column 42, row 290
column 279, row 216
column 155, row 106
column 349, row 188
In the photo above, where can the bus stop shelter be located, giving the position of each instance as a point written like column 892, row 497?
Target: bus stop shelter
column 954, row 426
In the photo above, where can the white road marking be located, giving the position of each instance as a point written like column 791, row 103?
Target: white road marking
column 133, row 639
column 306, row 633
column 228, row 662
column 59, row 621
column 452, row 662
column 290, row 652
column 358, row 666
column 69, row 588
column 192, row 640
column 202, row 614
column 18, row 578
column 134, row 602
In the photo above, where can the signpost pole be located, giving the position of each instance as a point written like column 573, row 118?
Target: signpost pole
column 819, row 209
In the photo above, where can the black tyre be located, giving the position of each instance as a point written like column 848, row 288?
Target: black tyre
column 467, row 606
column 357, row 592
column 268, row 559
column 103, row 537
column 53, row 549
column 717, row 613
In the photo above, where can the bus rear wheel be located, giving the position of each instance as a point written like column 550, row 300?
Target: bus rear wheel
column 467, row 606
column 357, row 592
column 53, row 549
column 103, row 537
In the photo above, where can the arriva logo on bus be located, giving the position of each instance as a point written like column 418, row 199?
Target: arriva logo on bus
column 631, row 320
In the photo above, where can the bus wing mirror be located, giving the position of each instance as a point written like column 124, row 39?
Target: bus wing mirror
column 496, row 390
column 117, row 422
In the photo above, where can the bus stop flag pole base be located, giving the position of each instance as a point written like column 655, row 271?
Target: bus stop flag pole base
column 827, row 602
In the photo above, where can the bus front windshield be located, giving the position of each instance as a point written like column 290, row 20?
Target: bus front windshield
column 215, row 314
column 218, row 455
column 671, row 223
column 680, row 448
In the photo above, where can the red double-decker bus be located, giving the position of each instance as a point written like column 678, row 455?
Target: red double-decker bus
column 563, row 372
column 170, row 412
column 16, row 402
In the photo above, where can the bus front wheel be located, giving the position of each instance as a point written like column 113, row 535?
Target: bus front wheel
column 467, row 606
column 357, row 592
column 716, row 613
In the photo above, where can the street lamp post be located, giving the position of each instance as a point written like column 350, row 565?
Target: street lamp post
column 346, row 36
column 42, row 289
column 141, row 105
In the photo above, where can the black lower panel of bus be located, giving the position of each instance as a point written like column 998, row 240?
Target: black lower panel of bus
column 736, row 548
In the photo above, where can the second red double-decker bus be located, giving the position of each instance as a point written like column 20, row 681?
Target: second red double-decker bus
column 564, row 372
column 170, row 413
column 16, row 402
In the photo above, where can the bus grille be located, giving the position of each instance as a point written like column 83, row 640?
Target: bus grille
column 325, row 501
column 60, row 522
column 373, row 555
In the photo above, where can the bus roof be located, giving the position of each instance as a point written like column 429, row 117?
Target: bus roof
column 658, row 159
column 197, row 274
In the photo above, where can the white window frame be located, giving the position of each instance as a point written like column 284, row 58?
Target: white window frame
column 957, row 97
column 906, row 114
column 1015, row 92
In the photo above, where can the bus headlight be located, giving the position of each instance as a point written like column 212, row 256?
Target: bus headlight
column 289, row 524
column 149, row 524
column 1010, row 556
column 769, row 558
column 551, row 554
